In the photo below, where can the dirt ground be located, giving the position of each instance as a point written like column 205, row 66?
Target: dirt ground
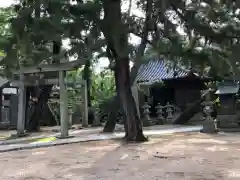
column 191, row 156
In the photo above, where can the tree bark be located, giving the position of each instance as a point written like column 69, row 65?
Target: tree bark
column 116, row 35
column 141, row 48
column 133, row 125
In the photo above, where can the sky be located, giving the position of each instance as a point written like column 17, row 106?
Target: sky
column 6, row 3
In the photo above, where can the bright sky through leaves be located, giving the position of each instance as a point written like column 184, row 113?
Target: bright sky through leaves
column 6, row 3
column 103, row 62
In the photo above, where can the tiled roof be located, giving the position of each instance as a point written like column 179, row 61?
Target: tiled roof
column 158, row 70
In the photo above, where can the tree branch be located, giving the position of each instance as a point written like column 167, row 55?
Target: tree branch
column 130, row 8
column 147, row 24
column 144, row 40
column 202, row 29
column 147, row 41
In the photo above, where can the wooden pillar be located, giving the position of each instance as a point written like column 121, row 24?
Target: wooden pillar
column 21, row 106
column 85, row 117
column 63, row 105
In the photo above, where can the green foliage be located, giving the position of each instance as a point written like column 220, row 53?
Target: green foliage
column 38, row 24
column 211, row 31
column 6, row 14
column 2, row 54
column 198, row 34
column 103, row 87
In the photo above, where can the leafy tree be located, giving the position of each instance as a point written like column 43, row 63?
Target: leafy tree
column 103, row 86
column 210, row 34
column 5, row 30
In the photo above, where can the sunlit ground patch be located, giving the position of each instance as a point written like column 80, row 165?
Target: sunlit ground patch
column 39, row 153
column 45, row 140
column 4, row 137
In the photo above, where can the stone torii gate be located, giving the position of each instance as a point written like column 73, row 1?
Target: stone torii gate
column 39, row 75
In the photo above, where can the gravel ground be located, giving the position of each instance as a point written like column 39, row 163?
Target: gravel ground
column 190, row 156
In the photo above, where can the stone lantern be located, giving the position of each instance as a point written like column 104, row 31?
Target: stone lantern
column 146, row 112
column 160, row 118
column 169, row 110
column 96, row 121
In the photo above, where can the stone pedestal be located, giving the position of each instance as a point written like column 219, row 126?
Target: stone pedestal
column 70, row 113
column 96, row 121
column 147, row 122
column 70, row 120
column 209, row 126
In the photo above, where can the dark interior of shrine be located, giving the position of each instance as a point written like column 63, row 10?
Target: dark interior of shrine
column 178, row 92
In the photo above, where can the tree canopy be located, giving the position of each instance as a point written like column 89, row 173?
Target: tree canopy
column 195, row 33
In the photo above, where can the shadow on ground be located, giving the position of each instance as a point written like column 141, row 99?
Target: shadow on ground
column 192, row 156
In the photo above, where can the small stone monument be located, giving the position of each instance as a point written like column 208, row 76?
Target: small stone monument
column 96, row 121
column 160, row 118
column 209, row 125
column 70, row 113
column 146, row 112
column 169, row 110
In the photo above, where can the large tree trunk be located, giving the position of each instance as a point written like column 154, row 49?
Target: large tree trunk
column 36, row 113
column 116, row 35
column 133, row 125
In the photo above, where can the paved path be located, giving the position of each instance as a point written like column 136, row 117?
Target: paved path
column 43, row 134
column 50, row 141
